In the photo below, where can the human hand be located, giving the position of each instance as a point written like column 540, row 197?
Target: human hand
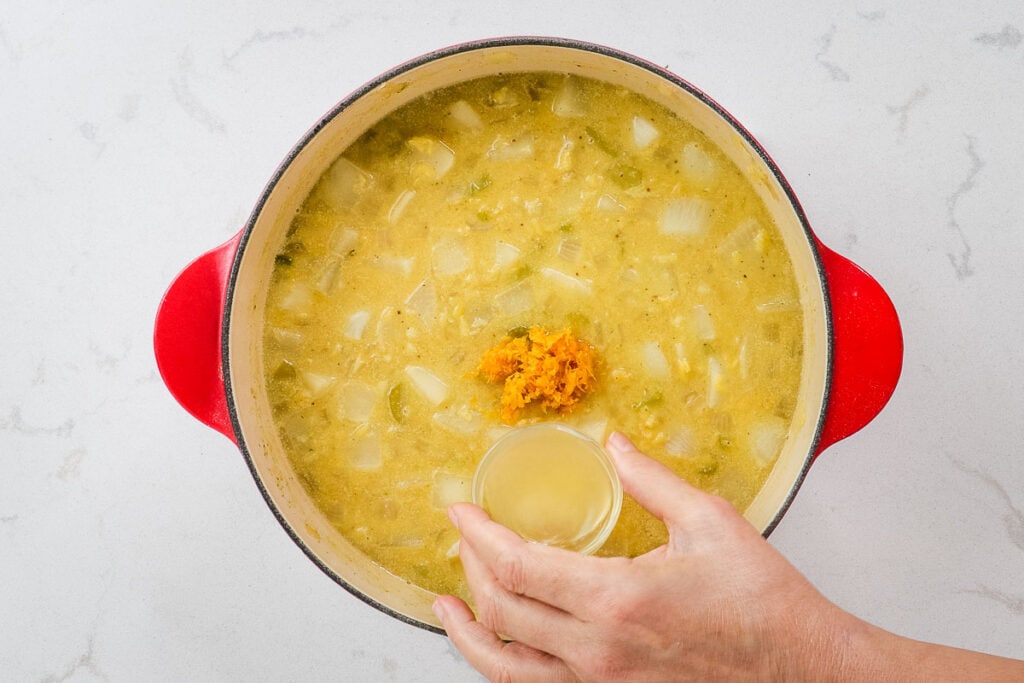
column 717, row 601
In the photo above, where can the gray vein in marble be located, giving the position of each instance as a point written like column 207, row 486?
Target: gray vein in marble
column 7, row 47
column 129, row 107
column 108, row 362
column 72, row 462
column 961, row 259
column 1009, row 37
column 1014, row 603
column 1013, row 518
column 834, row 71
column 39, row 378
column 902, row 111
column 389, row 665
column 875, row 15
column 15, row 423
column 88, row 131
column 9, row 519
column 261, row 37
column 187, row 100
column 86, row 661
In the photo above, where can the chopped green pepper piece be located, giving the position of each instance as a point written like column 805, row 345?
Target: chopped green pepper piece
column 649, row 401
column 602, row 143
column 396, row 406
column 709, row 467
column 520, row 331
column 285, row 371
column 626, row 176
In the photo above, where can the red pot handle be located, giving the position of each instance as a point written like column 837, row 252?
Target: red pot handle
column 187, row 337
column 867, row 348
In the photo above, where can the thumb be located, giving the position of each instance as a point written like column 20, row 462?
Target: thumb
column 657, row 488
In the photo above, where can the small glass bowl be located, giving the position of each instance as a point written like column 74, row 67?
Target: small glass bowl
column 550, row 484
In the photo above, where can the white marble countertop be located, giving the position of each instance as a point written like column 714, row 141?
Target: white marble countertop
column 136, row 135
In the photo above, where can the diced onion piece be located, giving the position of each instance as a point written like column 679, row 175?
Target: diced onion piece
column 453, row 551
column 462, row 420
column 465, row 115
column 744, row 359
column 681, row 443
column 422, row 301
column 607, row 202
column 366, row 454
column 516, row 299
column 451, row 488
column 343, row 241
column 402, row 265
column 344, row 183
column 356, row 401
column 286, row 339
column 404, row 541
column 432, row 155
column 507, row 149
column 653, row 361
column 696, row 163
column 430, row 386
column 399, row 205
column 316, row 383
column 596, row 429
column 564, row 160
column 570, row 249
column 505, row 254
column 766, row 438
column 477, row 317
column 568, row 102
column 392, row 327
column 741, row 237
column 297, row 299
column 328, row 276
column 644, row 132
column 681, row 360
column 503, row 98
column 567, row 282
column 450, row 257
column 686, row 216
column 356, row 325
column 703, row 325
column 714, row 381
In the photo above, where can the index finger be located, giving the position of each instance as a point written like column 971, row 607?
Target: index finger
column 560, row 578
column 658, row 489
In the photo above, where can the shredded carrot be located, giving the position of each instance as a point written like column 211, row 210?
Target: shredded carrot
column 555, row 369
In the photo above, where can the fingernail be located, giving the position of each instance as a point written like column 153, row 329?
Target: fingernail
column 438, row 609
column 618, row 441
column 453, row 516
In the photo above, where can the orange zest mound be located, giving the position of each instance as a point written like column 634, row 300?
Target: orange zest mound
column 555, row 369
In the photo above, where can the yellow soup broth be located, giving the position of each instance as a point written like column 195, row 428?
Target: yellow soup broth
column 484, row 209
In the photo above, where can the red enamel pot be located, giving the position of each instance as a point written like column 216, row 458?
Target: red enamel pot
column 208, row 333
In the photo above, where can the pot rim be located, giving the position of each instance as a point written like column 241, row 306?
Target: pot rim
column 484, row 44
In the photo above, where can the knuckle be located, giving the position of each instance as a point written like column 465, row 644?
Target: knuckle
column 501, row 671
column 510, row 570
column 719, row 507
column 604, row 664
column 489, row 610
